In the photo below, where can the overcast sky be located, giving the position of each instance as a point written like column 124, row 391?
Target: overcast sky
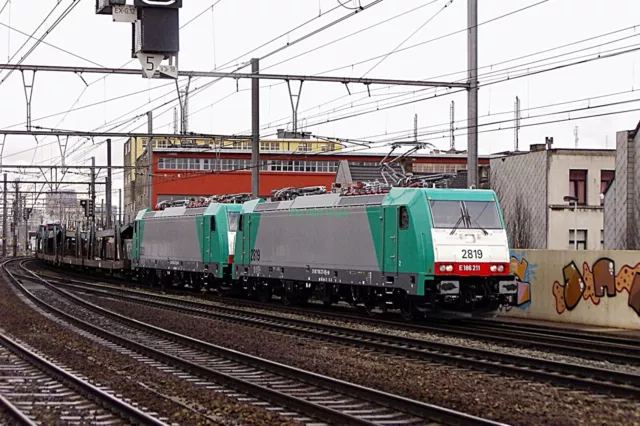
column 234, row 27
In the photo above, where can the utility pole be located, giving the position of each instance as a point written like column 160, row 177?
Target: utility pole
column 108, row 184
column 175, row 121
column 92, row 219
column 120, row 206
column 472, row 94
column 517, row 124
column 255, row 127
column 27, row 214
column 15, row 220
column 452, row 136
column 415, row 128
column 150, row 157
column 4, row 218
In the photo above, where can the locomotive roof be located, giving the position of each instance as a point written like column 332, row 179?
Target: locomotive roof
column 396, row 196
column 211, row 210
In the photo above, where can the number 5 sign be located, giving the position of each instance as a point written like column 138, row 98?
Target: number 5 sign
column 150, row 63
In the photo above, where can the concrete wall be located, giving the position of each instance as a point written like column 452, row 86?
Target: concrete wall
column 600, row 288
column 592, row 160
column 520, row 181
column 561, row 222
column 590, row 217
column 610, row 225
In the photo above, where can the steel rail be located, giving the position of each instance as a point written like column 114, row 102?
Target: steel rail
column 574, row 375
column 102, row 398
column 15, row 413
column 380, row 398
column 588, row 345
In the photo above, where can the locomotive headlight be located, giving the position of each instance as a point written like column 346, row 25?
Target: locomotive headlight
column 493, row 268
column 500, row 268
column 442, row 268
column 449, row 268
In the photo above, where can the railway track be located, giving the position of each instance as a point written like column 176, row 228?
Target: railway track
column 31, row 388
column 565, row 374
column 587, row 345
column 321, row 398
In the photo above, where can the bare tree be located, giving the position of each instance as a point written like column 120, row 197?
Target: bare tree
column 519, row 224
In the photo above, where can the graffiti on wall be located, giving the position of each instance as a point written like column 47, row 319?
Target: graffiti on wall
column 525, row 273
column 596, row 282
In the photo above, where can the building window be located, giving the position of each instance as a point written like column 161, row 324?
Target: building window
column 270, row 146
column 606, row 178
column 582, row 239
column 578, row 185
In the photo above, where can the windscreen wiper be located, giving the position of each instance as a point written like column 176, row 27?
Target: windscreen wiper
column 455, row 227
column 479, row 227
column 462, row 218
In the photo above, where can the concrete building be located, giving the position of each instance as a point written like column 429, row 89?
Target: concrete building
column 64, row 206
column 532, row 187
column 622, row 201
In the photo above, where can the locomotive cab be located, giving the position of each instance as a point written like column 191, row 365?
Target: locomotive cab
column 470, row 249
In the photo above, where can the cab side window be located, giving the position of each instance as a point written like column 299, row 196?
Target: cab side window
column 213, row 224
column 404, row 218
column 241, row 223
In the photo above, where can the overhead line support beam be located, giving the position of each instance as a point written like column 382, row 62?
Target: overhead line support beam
column 218, row 74
column 79, row 133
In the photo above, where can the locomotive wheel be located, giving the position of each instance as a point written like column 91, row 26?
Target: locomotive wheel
column 408, row 311
column 264, row 293
column 286, row 301
column 369, row 309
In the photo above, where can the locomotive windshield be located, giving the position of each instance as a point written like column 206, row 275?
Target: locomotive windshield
column 465, row 214
column 233, row 221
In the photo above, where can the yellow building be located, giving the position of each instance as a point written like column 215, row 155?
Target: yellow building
column 134, row 149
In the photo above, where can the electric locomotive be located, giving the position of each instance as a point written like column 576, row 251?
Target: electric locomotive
column 185, row 246
column 418, row 250
column 414, row 249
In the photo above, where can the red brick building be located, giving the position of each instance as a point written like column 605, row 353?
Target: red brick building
column 180, row 172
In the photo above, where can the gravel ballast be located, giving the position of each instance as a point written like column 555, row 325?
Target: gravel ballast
column 510, row 400
column 426, row 336
column 160, row 392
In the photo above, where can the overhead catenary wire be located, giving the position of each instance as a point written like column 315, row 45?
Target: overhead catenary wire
column 193, row 175
column 447, row 4
column 453, row 73
column 199, row 174
column 496, row 72
column 264, row 44
column 195, row 91
column 339, row 39
column 49, row 31
column 300, row 39
column 511, row 78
